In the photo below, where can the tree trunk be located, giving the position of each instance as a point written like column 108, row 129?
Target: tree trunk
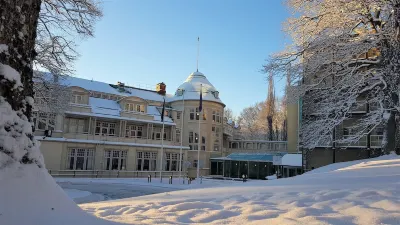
column 18, row 24
column 390, row 134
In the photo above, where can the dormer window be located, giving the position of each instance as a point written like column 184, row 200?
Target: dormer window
column 216, row 94
column 134, row 108
column 129, row 107
column 179, row 92
column 77, row 99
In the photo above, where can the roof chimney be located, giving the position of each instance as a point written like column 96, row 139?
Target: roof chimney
column 161, row 88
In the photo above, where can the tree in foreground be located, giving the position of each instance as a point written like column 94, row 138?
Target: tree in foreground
column 29, row 194
column 344, row 54
column 34, row 32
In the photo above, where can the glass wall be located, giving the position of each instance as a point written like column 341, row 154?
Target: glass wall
column 235, row 169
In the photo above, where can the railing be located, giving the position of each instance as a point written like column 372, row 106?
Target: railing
column 143, row 140
column 362, row 142
column 257, row 146
column 113, row 173
column 375, row 141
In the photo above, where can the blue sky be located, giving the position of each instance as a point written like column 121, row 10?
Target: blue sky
column 147, row 42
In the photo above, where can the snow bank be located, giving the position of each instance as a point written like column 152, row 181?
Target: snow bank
column 30, row 196
column 74, row 193
column 362, row 192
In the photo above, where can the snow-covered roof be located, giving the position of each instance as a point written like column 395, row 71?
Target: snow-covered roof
column 98, row 86
column 192, row 86
column 104, row 106
column 254, row 157
column 292, row 160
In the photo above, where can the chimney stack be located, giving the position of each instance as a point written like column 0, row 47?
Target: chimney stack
column 161, row 88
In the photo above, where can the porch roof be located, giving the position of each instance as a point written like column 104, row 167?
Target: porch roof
column 254, row 157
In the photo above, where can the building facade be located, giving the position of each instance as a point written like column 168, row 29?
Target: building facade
column 106, row 127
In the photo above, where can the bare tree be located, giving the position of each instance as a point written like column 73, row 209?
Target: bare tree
column 34, row 29
column 228, row 114
column 345, row 54
column 248, row 121
column 61, row 23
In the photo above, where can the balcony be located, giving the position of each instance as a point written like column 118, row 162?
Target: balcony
column 361, row 143
column 375, row 141
column 244, row 146
column 143, row 140
column 228, row 130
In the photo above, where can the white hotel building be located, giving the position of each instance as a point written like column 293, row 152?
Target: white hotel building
column 116, row 130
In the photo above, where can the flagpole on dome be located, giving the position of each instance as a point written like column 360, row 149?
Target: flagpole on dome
column 200, row 139
column 198, row 50
column 162, row 140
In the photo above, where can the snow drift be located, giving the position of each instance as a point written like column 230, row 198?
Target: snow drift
column 30, row 196
column 358, row 192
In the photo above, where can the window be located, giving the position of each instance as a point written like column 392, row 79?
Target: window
column 76, row 126
column 140, row 108
column 192, row 113
column 77, row 99
column 217, row 131
column 197, row 114
column 218, row 117
column 216, row 94
column 178, row 115
column 129, row 107
column 194, row 140
column 216, row 147
column 204, row 115
column 115, row 159
column 191, row 137
column 134, row 131
column 44, row 121
column 146, row 161
column 157, row 133
column 195, row 163
column 80, row 159
column 214, row 115
column 172, row 162
column 97, row 95
column 105, row 128
column 213, row 129
column 178, row 135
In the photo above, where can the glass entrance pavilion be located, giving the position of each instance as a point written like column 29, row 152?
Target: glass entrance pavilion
column 253, row 165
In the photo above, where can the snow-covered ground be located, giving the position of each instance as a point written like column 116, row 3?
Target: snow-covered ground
column 359, row 192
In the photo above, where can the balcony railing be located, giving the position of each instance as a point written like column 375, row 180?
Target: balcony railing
column 257, row 146
column 142, row 140
column 375, row 141
column 362, row 142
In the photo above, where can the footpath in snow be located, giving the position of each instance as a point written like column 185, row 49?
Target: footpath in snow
column 85, row 190
column 358, row 192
